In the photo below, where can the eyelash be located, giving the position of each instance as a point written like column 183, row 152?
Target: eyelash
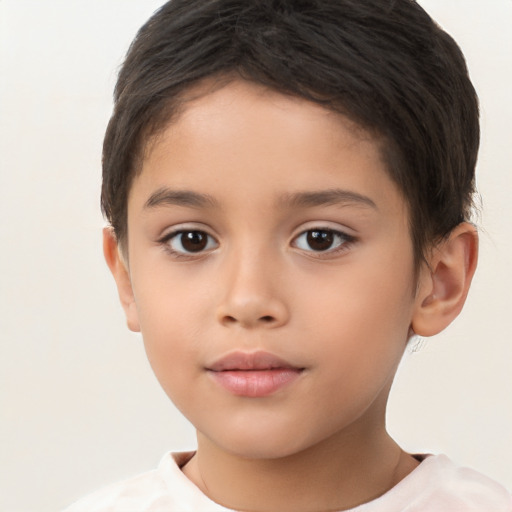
column 168, row 238
column 345, row 241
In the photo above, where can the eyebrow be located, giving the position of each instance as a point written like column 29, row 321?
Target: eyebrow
column 168, row 197
column 325, row 198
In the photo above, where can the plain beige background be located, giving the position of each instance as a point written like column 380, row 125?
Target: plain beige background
column 78, row 403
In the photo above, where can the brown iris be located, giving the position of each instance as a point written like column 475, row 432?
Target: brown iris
column 194, row 241
column 320, row 239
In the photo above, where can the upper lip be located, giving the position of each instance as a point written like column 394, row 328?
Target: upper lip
column 250, row 361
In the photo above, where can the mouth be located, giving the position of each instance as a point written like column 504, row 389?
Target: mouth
column 253, row 374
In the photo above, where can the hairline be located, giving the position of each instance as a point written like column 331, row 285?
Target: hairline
column 175, row 107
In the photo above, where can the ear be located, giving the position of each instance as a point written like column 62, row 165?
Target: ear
column 119, row 269
column 444, row 281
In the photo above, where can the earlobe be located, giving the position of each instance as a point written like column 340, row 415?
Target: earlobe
column 444, row 283
column 119, row 269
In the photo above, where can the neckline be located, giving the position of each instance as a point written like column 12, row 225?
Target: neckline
column 399, row 492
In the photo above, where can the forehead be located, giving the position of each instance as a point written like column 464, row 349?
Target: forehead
column 238, row 137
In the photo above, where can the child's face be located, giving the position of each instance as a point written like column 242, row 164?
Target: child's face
column 262, row 223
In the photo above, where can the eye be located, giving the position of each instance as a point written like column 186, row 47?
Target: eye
column 321, row 240
column 190, row 242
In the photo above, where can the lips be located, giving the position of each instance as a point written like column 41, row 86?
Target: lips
column 256, row 374
column 249, row 361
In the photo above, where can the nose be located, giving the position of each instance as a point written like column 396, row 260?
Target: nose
column 251, row 295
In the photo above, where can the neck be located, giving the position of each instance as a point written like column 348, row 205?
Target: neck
column 338, row 474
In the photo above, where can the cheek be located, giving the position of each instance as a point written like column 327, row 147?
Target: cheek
column 364, row 295
column 167, row 295
column 169, row 314
column 172, row 353
column 358, row 341
column 362, row 315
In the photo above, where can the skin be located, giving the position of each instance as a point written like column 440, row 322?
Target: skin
column 343, row 315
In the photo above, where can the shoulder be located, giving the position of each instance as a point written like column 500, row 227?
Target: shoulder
column 164, row 489
column 439, row 485
column 131, row 494
column 466, row 487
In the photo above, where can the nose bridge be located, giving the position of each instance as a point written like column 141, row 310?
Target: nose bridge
column 252, row 295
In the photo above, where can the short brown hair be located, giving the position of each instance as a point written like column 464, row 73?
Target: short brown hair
column 383, row 63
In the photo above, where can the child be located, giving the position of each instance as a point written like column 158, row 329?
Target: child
column 288, row 185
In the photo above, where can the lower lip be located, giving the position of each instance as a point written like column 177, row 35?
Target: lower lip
column 255, row 383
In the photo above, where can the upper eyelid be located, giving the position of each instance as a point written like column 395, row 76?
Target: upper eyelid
column 173, row 234
column 171, row 231
column 323, row 226
column 343, row 234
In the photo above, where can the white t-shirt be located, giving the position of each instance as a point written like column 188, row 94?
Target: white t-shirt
column 436, row 485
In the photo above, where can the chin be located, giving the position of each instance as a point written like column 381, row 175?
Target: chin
column 259, row 440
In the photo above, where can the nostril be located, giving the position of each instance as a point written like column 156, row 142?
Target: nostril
column 267, row 319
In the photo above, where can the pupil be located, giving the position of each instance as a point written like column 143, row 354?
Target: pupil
column 320, row 240
column 193, row 241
